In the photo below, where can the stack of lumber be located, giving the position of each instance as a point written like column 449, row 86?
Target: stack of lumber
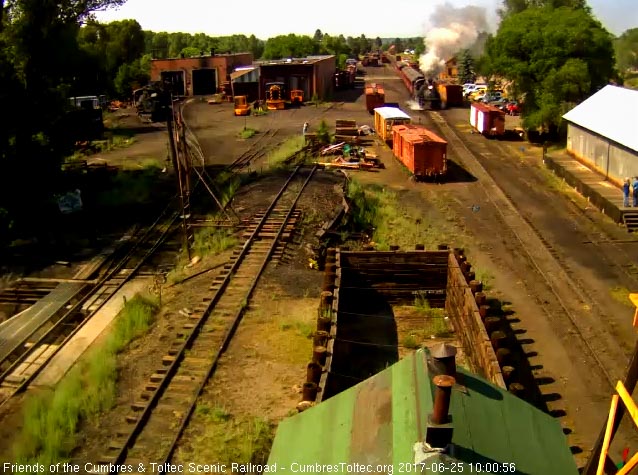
column 347, row 128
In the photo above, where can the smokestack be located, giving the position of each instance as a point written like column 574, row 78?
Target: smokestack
column 439, row 428
column 442, row 360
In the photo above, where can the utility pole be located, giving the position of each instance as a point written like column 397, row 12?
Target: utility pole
column 170, row 119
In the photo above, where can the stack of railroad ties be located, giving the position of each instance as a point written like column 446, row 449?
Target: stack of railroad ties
column 350, row 155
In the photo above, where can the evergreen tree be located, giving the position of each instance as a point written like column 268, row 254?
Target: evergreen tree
column 467, row 72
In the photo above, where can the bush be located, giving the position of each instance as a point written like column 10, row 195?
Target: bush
column 323, row 134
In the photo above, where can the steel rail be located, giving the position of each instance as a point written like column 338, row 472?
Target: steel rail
column 452, row 135
column 144, row 415
column 24, row 384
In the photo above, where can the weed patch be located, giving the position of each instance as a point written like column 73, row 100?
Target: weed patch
column 435, row 319
column 230, row 438
column 51, row 418
column 484, row 276
column 621, row 294
column 380, row 212
column 210, row 241
column 131, row 187
column 277, row 158
column 247, row 133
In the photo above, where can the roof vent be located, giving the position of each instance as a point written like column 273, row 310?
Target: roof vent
column 442, row 360
column 439, row 428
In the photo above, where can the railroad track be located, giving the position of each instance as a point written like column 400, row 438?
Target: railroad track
column 155, row 424
column 597, row 343
column 24, row 360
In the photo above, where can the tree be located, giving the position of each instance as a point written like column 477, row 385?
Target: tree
column 131, row 76
column 291, row 45
column 512, row 7
column 189, row 52
column 160, row 46
column 378, row 42
column 40, row 59
column 626, row 47
column 555, row 58
column 466, row 67
column 177, row 42
column 318, row 36
column 398, row 45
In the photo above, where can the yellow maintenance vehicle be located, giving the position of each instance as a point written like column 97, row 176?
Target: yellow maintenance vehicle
column 241, row 105
column 275, row 96
column 296, row 97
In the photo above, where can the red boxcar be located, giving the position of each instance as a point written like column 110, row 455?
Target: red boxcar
column 487, row 120
column 451, row 95
column 375, row 96
column 422, row 151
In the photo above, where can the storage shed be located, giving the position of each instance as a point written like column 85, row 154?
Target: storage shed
column 387, row 117
column 602, row 132
column 313, row 75
column 380, row 426
column 487, row 120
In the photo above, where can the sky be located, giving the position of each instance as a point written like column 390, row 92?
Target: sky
column 398, row 18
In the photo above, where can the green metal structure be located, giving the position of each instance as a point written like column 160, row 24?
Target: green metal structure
column 379, row 426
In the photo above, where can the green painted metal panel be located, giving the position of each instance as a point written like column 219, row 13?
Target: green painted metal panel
column 484, row 419
column 320, row 434
column 378, row 422
column 405, row 405
column 372, row 422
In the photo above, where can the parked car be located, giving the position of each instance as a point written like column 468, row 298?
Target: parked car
column 501, row 103
column 468, row 86
column 514, row 108
column 492, row 96
column 478, row 93
column 473, row 88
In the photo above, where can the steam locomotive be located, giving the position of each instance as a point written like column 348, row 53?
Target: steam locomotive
column 422, row 90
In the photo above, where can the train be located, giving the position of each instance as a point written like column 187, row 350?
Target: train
column 345, row 78
column 375, row 96
column 487, row 120
column 421, row 151
column 423, row 91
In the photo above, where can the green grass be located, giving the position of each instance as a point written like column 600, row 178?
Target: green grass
column 410, row 342
column 381, row 213
column 484, row 276
column 631, row 83
column 211, row 241
column 277, row 158
column 51, row 418
column 208, row 242
column 301, row 328
column 132, row 187
column 435, row 323
column 229, row 438
column 247, row 133
column 621, row 294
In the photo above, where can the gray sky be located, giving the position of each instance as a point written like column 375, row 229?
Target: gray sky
column 404, row 18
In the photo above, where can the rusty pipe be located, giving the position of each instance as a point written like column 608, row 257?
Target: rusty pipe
column 442, row 397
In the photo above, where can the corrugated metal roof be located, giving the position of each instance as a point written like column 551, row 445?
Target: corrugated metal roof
column 612, row 112
column 391, row 113
column 379, row 421
column 241, row 72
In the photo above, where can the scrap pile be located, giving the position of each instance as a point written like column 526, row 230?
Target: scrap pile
column 349, row 157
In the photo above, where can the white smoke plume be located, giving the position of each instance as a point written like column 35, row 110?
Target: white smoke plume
column 453, row 29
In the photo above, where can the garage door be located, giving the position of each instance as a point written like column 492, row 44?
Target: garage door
column 204, row 81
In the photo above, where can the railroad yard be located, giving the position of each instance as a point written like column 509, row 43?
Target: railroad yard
column 234, row 333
